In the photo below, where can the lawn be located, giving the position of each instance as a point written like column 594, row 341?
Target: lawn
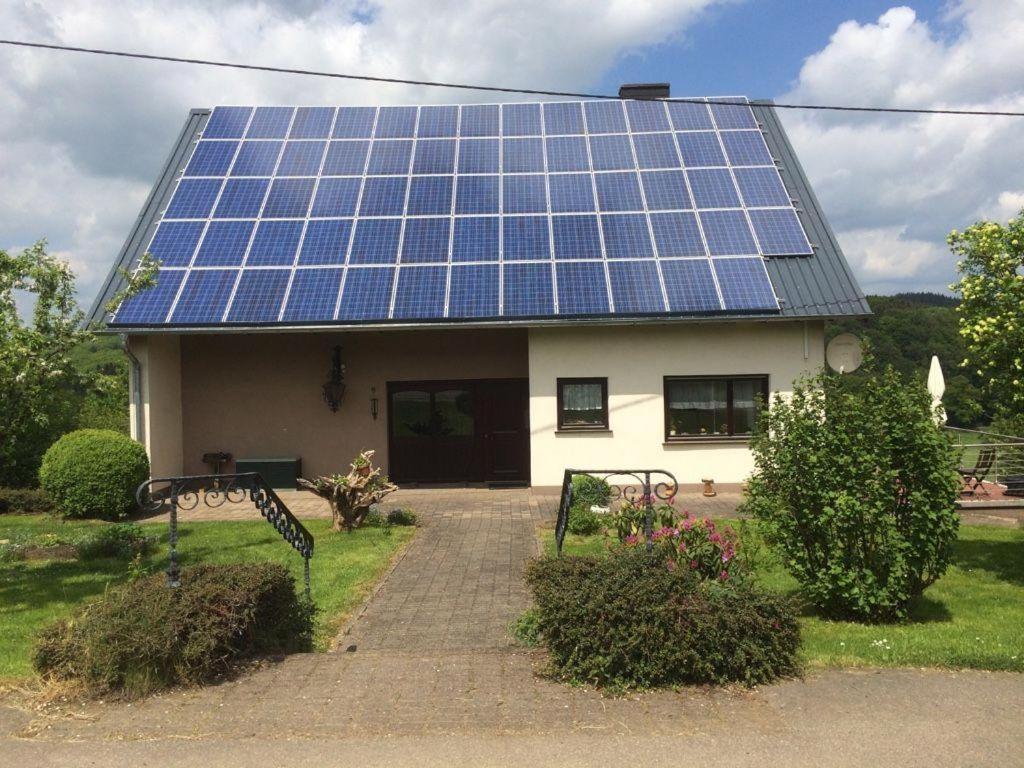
column 344, row 568
column 973, row 617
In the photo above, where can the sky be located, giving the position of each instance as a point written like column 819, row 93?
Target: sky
column 83, row 138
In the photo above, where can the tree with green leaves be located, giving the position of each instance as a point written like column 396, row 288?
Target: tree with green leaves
column 38, row 380
column 991, row 312
column 855, row 485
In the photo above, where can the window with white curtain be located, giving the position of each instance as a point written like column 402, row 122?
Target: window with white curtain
column 709, row 408
column 582, row 404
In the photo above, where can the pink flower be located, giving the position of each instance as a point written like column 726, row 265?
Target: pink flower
column 671, row 564
column 631, row 540
column 724, row 575
column 693, row 565
column 682, row 546
column 687, row 524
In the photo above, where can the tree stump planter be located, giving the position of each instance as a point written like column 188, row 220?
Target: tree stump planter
column 351, row 495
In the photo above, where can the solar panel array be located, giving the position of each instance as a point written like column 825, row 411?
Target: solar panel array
column 563, row 209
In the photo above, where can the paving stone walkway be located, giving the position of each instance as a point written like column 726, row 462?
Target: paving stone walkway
column 460, row 582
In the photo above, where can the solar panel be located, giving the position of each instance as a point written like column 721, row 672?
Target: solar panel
column 476, row 238
column 270, row 123
column 474, row 291
column 275, row 243
column 635, row 287
column 582, row 288
column 419, row 294
column 365, row 214
column 326, row 242
column 744, row 283
column 224, row 244
column 204, row 296
column 313, row 295
column 258, row 295
column 527, row 290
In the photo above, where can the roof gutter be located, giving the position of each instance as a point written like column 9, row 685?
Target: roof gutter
column 136, row 389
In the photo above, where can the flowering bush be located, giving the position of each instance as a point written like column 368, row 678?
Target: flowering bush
column 629, row 519
column 683, row 541
column 695, row 545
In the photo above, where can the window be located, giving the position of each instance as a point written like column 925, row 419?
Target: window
column 711, row 408
column 582, row 404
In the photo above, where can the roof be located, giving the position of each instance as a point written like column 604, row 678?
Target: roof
column 818, row 284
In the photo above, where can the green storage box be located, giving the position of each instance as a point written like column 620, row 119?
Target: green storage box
column 279, row 473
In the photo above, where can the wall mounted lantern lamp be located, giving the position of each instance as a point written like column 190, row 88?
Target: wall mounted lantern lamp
column 373, row 402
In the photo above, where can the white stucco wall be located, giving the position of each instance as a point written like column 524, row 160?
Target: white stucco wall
column 635, row 360
column 160, row 362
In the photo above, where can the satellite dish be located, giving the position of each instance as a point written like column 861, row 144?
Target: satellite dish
column 843, row 354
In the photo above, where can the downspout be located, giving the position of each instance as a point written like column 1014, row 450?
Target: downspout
column 807, row 342
column 136, row 393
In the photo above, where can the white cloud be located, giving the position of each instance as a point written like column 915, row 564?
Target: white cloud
column 886, row 254
column 84, row 137
column 893, row 187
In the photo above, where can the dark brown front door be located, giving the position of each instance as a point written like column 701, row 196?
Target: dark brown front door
column 459, row 431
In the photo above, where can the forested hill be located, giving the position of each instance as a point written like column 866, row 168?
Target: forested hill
column 906, row 330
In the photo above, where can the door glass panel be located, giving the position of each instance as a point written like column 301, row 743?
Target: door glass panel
column 697, row 408
column 453, row 412
column 745, row 393
column 410, row 412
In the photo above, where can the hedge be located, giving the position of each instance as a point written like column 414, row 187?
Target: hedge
column 628, row 621
column 145, row 636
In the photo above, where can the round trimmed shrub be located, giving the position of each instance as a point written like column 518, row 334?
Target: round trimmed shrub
column 94, row 473
column 583, row 521
column 628, row 621
column 590, row 491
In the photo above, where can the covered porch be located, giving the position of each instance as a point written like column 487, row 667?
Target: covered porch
column 437, row 406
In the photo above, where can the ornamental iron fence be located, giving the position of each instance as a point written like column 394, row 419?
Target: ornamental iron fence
column 185, row 493
column 638, row 489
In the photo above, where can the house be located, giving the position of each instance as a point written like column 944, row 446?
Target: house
column 482, row 293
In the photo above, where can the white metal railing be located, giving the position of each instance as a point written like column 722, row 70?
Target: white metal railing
column 990, row 457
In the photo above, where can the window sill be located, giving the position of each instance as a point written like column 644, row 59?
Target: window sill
column 706, row 440
column 584, row 431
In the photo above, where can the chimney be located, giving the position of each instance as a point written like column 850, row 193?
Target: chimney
column 644, row 91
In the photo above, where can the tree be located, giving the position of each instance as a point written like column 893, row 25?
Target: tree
column 38, row 379
column 855, row 484
column 991, row 311
column 351, row 495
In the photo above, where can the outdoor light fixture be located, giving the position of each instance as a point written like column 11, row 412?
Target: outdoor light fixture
column 334, row 387
column 373, row 402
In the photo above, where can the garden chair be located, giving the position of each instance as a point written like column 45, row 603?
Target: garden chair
column 974, row 477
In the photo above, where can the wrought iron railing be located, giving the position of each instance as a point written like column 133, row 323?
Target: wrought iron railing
column 638, row 489
column 998, row 459
column 185, row 493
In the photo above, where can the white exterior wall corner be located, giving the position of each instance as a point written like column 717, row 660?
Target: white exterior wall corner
column 635, row 360
column 159, row 359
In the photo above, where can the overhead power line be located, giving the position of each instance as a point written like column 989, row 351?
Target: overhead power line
column 472, row 87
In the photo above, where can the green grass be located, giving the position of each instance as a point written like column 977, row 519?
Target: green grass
column 344, row 568
column 973, row 617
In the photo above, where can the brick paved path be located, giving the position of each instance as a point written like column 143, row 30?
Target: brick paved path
column 461, row 581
